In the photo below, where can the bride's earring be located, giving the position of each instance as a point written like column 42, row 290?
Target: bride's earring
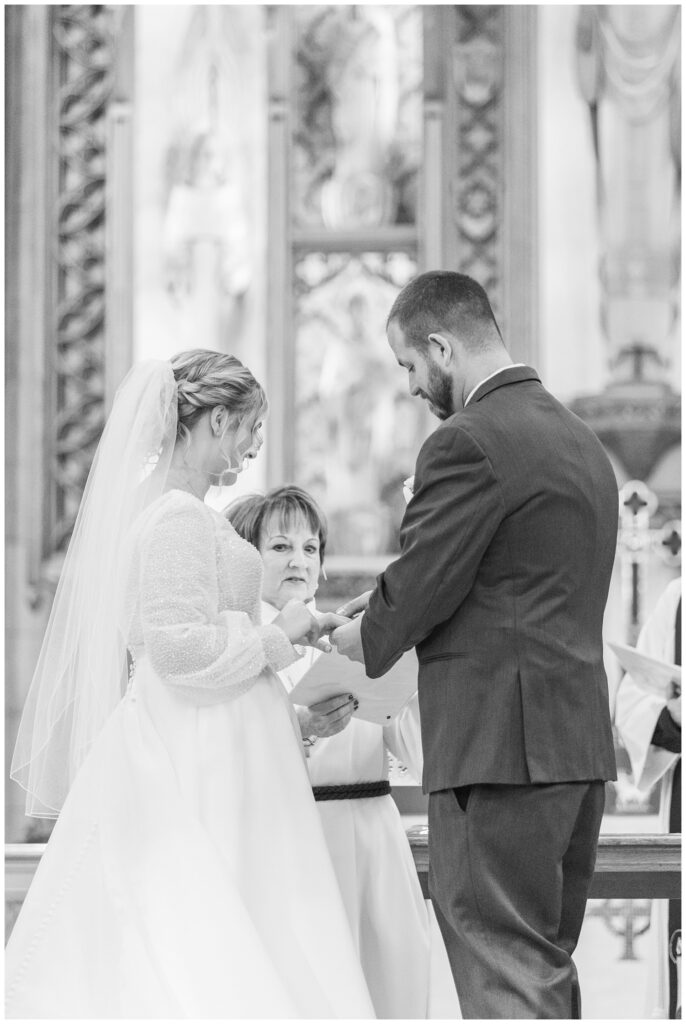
column 324, row 576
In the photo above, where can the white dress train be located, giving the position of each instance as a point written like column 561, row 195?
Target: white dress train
column 187, row 875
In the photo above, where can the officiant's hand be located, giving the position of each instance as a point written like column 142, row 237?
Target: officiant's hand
column 302, row 627
column 348, row 640
column 328, row 717
column 355, row 605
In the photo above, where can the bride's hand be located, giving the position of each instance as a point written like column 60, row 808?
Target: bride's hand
column 302, row 627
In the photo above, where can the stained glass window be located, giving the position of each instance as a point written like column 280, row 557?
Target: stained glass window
column 357, row 136
column 357, row 427
column 355, row 163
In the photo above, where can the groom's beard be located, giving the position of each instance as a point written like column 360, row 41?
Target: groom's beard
column 440, row 393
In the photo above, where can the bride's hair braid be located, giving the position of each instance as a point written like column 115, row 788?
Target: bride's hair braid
column 206, row 379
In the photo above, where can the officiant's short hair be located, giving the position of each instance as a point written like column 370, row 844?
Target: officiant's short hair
column 444, row 299
column 250, row 514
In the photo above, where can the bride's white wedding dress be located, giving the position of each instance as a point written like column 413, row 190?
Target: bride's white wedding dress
column 187, row 874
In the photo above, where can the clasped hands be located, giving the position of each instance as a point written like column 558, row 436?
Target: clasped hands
column 308, row 628
column 322, row 629
column 347, row 637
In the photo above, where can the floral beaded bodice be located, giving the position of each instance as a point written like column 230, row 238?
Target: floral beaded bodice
column 239, row 571
column 193, row 599
column 237, row 564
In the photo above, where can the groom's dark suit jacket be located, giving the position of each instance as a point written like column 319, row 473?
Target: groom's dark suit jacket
column 507, row 549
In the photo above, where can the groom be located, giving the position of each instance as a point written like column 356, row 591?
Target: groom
column 507, row 548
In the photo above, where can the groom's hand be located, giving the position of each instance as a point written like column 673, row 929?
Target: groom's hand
column 325, row 623
column 355, row 605
column 348, row 640
column 302, row 626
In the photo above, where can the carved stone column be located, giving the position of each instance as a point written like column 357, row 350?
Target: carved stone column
column 61, row 79
column 480, row 157
column 280, row 454
column 27, row 239
column 82, row 66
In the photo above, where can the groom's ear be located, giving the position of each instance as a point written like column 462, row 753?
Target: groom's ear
column 441, row 348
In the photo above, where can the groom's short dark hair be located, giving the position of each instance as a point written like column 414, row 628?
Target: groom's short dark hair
column 444, row 300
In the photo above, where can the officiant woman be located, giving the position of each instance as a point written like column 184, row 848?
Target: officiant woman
column 400, row 948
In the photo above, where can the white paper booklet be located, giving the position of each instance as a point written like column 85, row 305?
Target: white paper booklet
column 660, row 677
column 380, row 699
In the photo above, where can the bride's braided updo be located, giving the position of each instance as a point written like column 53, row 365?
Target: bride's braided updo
column 206, row 379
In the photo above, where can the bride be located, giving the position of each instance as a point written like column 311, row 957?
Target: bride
column 187, row 871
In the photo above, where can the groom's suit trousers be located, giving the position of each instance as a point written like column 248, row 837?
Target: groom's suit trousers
column 510, row 871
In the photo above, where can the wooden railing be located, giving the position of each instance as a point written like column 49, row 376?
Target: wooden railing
column 627, row 866
column 21, row 861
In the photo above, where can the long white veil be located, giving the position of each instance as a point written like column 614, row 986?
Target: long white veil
column 81, row 669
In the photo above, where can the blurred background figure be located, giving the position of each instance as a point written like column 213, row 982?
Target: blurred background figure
column 649, row 726
column 206, row 245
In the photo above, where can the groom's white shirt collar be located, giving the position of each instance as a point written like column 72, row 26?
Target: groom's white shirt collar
column 510, row 366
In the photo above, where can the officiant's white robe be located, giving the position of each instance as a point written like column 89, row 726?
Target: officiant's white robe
column 395, row 930
column 636, row 715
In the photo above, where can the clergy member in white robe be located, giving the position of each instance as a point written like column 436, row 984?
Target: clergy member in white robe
column 649, row 726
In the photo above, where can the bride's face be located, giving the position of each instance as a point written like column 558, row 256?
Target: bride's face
column 290, row 553
column 236, row 444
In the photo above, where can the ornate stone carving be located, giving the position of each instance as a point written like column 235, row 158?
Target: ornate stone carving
column 83, row 61
column 478, row 60
column 636, row 424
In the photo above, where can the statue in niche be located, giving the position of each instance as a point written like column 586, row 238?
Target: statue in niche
column 354, row 376
column 207, row 265
column 628, row 60
column 354, row 154
column 372, row 430
column 363, row 114
column 628, row 63
column 208, row 244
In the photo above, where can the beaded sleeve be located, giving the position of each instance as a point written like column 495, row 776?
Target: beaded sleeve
column 194, row 646
column 277, row 647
